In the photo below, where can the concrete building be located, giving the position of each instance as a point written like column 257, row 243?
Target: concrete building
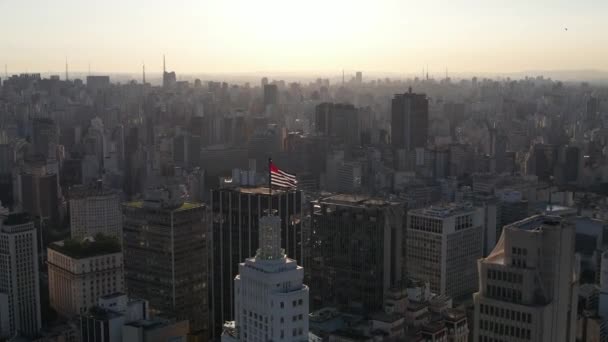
column 356, row 252
column 235, row 229
column 95, row 210
column 19, row 279
column 528, row 285
column 443, row 245
column 82, row 271
column 104, row 322
column 156, row 331
column 165, row 248
column 271, row 300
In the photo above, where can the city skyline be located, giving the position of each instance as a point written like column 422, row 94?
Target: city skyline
column 236, row 37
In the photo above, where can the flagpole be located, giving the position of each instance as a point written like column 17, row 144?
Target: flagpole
column 269, row 187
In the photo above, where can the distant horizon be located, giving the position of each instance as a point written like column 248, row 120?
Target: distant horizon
column 316, row 36
column 566, row 75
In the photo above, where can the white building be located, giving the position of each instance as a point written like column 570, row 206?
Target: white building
column 19, row 285
column 82, row 271
column 106, row 320
column 271, row 301
column 528, row 286
column 443, row 245
column 94, row 210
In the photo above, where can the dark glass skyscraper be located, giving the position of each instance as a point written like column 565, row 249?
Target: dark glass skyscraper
column 409, row 120
column 236, row 213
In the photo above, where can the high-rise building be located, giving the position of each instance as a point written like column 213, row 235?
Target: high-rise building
column 236, row 214
column 95, row 210
column 409, row 121
column 82, row 271
column 19, row 279
column 528, row 285
column 271, row 94
column 39, row 191
column 340, row 121
column 271, row 300
column 443, row 245
column 165, row 250
column 45, row 137
column 359, row 77
column 356, row 252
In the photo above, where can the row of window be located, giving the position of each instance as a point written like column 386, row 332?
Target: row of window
column 510, row 277
column 503, row 293
column 513, row 315
column 505, row 330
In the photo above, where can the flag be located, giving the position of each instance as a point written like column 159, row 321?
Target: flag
column 281, row 178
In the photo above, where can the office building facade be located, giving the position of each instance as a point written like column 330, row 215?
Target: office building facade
column 528, row 285
column 82, row 271
column 443, row 245
column 356, row 252
column 19, row 277
column 95, row 210
column 165, row 249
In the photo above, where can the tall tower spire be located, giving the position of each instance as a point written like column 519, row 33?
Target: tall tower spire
column 164, row 65
column 342, row 76
column 143, row 73
column 66, row 69
column 6, row 71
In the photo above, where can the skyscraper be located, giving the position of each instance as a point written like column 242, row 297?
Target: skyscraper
column 356, row 252
column 165, row 252
column 271, row 94
column 528, row 285
column 95, row 209
column 235, row 227
column 19, row 280
column 340, row 121
column 45, row 137
column 40, row 192
column 409, row 120
column 271, row 300
column 443, row 244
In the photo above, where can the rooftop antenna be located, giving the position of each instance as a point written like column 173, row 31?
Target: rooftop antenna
column 427, row 72
column 342, row 76
column 66, row 69
column 144, row 73
column 6, row 70
column 164, row 65
column 446, row 73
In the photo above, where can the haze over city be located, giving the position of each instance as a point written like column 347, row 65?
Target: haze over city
column 385, row 36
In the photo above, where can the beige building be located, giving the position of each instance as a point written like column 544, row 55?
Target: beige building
column 442, row 247
column 82, row 271
column 528, row 286
column 95, row 210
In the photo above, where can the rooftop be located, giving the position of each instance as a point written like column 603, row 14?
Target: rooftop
column 356, row 201
column 87, row 248
column 97, row 189
column 183, row 206
column 444, row 210
column 17, row 219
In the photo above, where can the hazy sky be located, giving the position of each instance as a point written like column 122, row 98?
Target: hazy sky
column 306, row 35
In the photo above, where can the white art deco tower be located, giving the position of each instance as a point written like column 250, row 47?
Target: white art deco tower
column 271, row 302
